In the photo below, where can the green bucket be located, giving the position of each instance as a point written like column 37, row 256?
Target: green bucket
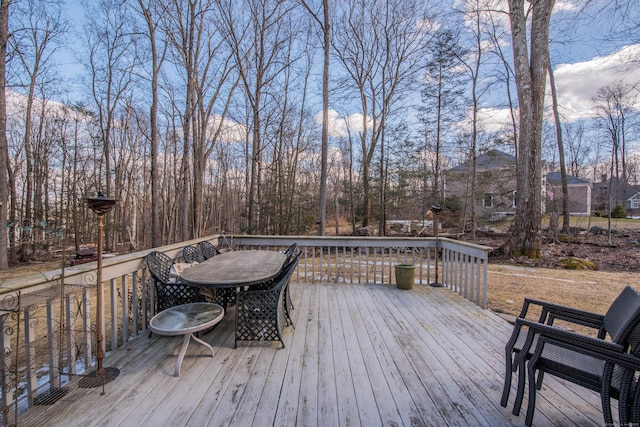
column 405, row 274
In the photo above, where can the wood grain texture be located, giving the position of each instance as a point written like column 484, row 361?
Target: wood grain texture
column 359, row 355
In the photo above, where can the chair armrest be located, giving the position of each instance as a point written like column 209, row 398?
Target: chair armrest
column 594, row 347
column 567, row 338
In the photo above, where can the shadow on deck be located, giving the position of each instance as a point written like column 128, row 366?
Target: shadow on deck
column 359, row 355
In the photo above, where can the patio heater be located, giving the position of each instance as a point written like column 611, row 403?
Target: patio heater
column 436, row 210
column 100, row 205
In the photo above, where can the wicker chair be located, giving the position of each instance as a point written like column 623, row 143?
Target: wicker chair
column 169, row 292
column 261, row 314
column 192, row 254
column 208, row 250
column 586, row 361
column 549, row 312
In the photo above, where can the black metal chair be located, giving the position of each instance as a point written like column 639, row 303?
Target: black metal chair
column 549, row 312
column 191, row 254
column 291, row 264
column 290, row 251
column 224, row 297
column 208, row 250
column 583, row 360
column 169, row 291
column 261, row 314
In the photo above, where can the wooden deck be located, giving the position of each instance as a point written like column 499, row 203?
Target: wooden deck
column 359, row 355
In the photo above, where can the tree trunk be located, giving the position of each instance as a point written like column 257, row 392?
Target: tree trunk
column 326, row 30
column 4, row 147
column 563, row 168
column 530, row 74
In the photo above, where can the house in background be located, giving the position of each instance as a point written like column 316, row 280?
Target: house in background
column 622, row 193
column 495, row 185
column 496, row 188
column 579, row 194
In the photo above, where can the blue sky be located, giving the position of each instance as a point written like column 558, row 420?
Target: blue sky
column 582, row 57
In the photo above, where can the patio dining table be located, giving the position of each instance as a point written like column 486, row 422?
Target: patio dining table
column 235, row 269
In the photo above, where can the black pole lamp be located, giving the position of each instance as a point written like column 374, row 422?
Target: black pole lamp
column 436, row 210
column 100, row 205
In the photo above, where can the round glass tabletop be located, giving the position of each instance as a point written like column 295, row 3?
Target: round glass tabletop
column 186, row 318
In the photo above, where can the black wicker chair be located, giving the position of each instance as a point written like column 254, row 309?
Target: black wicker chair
column 169, row 292
column 586, row 361
column 549, row 312
column 208, row 250
column 192, row 254
column 261, row 314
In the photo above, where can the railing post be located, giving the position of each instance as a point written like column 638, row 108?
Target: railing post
column 6, row 382
column 30, row 354
column 54, row 348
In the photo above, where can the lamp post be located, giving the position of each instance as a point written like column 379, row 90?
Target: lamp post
column 100, row 205
column 436, row 210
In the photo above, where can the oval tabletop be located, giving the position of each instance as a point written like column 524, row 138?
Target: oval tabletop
column 186, row 318
column 235, row 268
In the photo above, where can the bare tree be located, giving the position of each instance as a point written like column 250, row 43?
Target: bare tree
column 474, row 17
column 38, row 24
column 325, row 25
column 380, row 46
column 112, row 59
column 442, row 104
column 151, row 14
column 259, row 33
column 4, row 147
column 561, row 161
column 531, row 65
column 577, row 148
column 614, row 106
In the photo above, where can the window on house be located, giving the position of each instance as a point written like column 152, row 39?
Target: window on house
column 635, row 203
column 487, row 200
column 514, row 199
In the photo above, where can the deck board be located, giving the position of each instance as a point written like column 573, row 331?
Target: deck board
column 359, row 355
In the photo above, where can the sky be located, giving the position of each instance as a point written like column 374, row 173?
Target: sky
column 584, row 57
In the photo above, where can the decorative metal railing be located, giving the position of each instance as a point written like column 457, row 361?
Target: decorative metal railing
column 48, row 319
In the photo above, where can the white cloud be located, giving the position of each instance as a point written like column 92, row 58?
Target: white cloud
column 340, row 126
column 564, row 6
column 578, row 83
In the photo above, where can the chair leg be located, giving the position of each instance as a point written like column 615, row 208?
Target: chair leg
column 627, row 401
column 605, row 396
column 522, row 379
column 507, row 379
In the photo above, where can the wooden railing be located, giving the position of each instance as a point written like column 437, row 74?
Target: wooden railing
column 48, row 329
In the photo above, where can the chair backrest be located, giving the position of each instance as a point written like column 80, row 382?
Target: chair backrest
column 623, row 317
column 208, row 250
column 287, row 270
column 290, row 251
column 284, row 276
column 192, row 254
column 159, row 265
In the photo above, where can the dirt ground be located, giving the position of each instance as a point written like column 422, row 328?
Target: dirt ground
column 617, row 265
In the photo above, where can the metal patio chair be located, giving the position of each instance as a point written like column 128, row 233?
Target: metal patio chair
column 208, row 249
column 169, row 291
column 191, row 254
column 261, row 314
column 587, row 361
